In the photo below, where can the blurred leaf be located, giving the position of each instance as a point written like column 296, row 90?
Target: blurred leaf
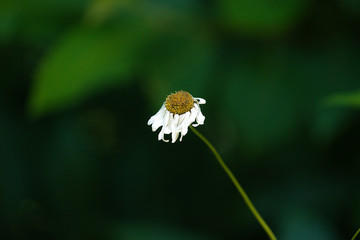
column 99, row 11
column 260, row 99
column 265, row 116
column 8, row 21
column 330, row 118
column 305, row 224
column 353, row 6
column 37, row 21
column 181, row 62
column 261, row 16
column 153, row 231
column 83, row 63
column 328, row 122
column 344, row 99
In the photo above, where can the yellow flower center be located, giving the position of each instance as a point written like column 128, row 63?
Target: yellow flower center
column 179, row 102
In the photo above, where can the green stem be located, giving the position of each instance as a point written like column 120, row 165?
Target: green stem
column 237, row 185
column 358, row 231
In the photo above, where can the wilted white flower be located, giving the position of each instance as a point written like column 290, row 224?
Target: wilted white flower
column 176, row 114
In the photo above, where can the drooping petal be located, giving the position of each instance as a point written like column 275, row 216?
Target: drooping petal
column 161, row 113
column 183, row 133
column 200, row 118
column 168, row 124
column 157, row 119
column 174, row 136
column 198, row 111
column 161, row 136
column 165, row 120
column 193, row 115
column 200, row 100
column 184, row 125
column 158, row 122
column 181, row 119
column 175, row 122
column 151, row 120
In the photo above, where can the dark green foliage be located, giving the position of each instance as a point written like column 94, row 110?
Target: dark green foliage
column 80, row 79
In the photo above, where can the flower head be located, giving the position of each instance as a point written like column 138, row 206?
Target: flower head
column 176, row 114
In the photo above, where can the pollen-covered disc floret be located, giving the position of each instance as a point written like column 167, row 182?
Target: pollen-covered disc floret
column 179, row 102
column 176, row 114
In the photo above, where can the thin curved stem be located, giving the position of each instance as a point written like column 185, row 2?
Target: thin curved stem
column 358, row 231
column 237, row 185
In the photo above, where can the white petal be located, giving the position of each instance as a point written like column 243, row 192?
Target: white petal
column 184, row 126
column 174, row 136
column 167, row 125
column 174, row 124
column 161, row 135
column 157, row 119
column 200, row 100
column 193, row 115
column 183, row 134
column 179, row 123
column 160, row 122
column 157, row 123
column 161, row 112
column 181, row 119
column 165, row 120
column 151, row 120
column 200, row 118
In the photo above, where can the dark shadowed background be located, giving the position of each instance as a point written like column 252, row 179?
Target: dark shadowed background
column 80, row 79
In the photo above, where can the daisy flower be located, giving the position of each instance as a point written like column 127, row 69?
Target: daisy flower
column 176, row 114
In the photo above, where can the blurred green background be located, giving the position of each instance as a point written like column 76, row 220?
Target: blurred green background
column 80, row 79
